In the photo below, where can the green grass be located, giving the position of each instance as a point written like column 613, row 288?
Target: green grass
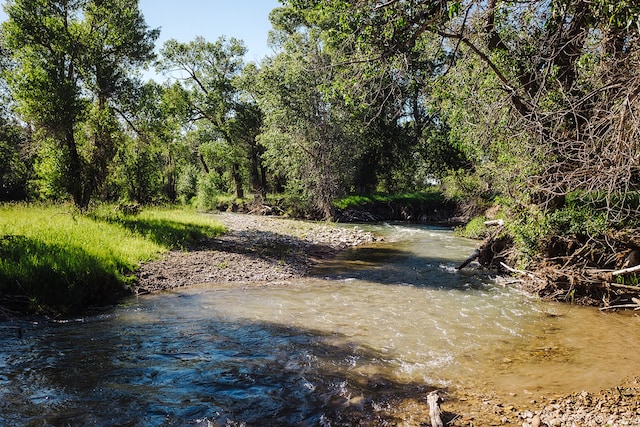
column 357, row 201
column 57, row 260
column 474, row 229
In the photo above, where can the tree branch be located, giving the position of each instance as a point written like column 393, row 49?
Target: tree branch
column 520, row 104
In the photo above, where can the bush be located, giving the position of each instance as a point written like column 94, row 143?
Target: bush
column 463, row 185
column 579, row 221
column 474, row 229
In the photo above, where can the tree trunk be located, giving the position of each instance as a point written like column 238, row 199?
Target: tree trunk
column 74, row 181
column 237, row 179
column 256, row 182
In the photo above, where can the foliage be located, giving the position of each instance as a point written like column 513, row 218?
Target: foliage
column 474, row 229
column 208, row 78
column 16, row 165
column 305, row 133
column 577, row 220
column 208, row 192
column 464, row 185
column 433, row 196
column 49, row 181
column 72, row 64
column 63, row 260
column 529, row 228
column 150, row 154
column 540, row 96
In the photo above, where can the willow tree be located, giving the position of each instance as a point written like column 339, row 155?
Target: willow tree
column 74, row 59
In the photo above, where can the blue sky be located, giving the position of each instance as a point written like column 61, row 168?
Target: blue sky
column 183, row 20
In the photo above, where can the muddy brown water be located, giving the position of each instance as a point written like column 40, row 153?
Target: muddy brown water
column 382, row 322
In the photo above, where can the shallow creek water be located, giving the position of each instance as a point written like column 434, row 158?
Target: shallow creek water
column 380, row 323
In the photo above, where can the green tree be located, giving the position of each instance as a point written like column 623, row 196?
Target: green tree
column 563, row 70
column 369, row 120
column 209, row 73
column 15, row 162
column 73, row 61
column 307, row 126
column 143, row 169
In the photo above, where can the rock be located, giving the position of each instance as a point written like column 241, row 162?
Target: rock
column 255, row 249
column 536, row 422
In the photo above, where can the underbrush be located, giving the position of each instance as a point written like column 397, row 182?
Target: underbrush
column 55, row 259
column 575, row 253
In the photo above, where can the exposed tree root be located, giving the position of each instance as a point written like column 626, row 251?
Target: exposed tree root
column 601, row 271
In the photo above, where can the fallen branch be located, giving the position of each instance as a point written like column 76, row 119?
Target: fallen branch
column 632, row 288
column 625, row 271
column 466, row 262
column 433, row 399
column 520, row 272
column 576, row 254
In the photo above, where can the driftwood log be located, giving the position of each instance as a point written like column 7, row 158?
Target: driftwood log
column 466, row 262
column 434, row 400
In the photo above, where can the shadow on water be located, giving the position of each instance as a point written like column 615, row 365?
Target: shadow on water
column 389, row 265
column 175, row 372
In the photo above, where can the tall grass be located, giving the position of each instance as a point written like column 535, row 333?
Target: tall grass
column 53, row 258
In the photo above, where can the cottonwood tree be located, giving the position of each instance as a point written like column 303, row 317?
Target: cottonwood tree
column 308, row 134
column 209, row 73
column 74, row 59
column 564, row 70
column 388, row 138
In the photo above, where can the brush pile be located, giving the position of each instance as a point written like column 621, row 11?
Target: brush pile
column 594, row 270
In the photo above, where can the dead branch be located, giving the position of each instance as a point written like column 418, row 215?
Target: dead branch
column 625, row 271
column 629, row 287
column 433, row 399
column 520, row 272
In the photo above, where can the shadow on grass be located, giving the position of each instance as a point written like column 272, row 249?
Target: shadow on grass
column 37, row 276
column 165, row 232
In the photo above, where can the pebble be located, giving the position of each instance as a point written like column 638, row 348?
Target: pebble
column 607, row 407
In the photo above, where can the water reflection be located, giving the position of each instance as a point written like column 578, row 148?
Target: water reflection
column 379, row 325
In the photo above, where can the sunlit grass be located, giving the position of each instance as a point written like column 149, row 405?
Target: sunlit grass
column 357, row 201
column 53, row 257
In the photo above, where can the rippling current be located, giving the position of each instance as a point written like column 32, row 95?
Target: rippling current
column 380, row 323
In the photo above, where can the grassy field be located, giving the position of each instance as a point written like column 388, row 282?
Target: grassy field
column 54, row 259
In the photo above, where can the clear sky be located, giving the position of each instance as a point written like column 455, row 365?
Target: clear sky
column 183, row 20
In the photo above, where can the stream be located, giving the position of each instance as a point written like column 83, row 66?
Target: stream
column 379, row 324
